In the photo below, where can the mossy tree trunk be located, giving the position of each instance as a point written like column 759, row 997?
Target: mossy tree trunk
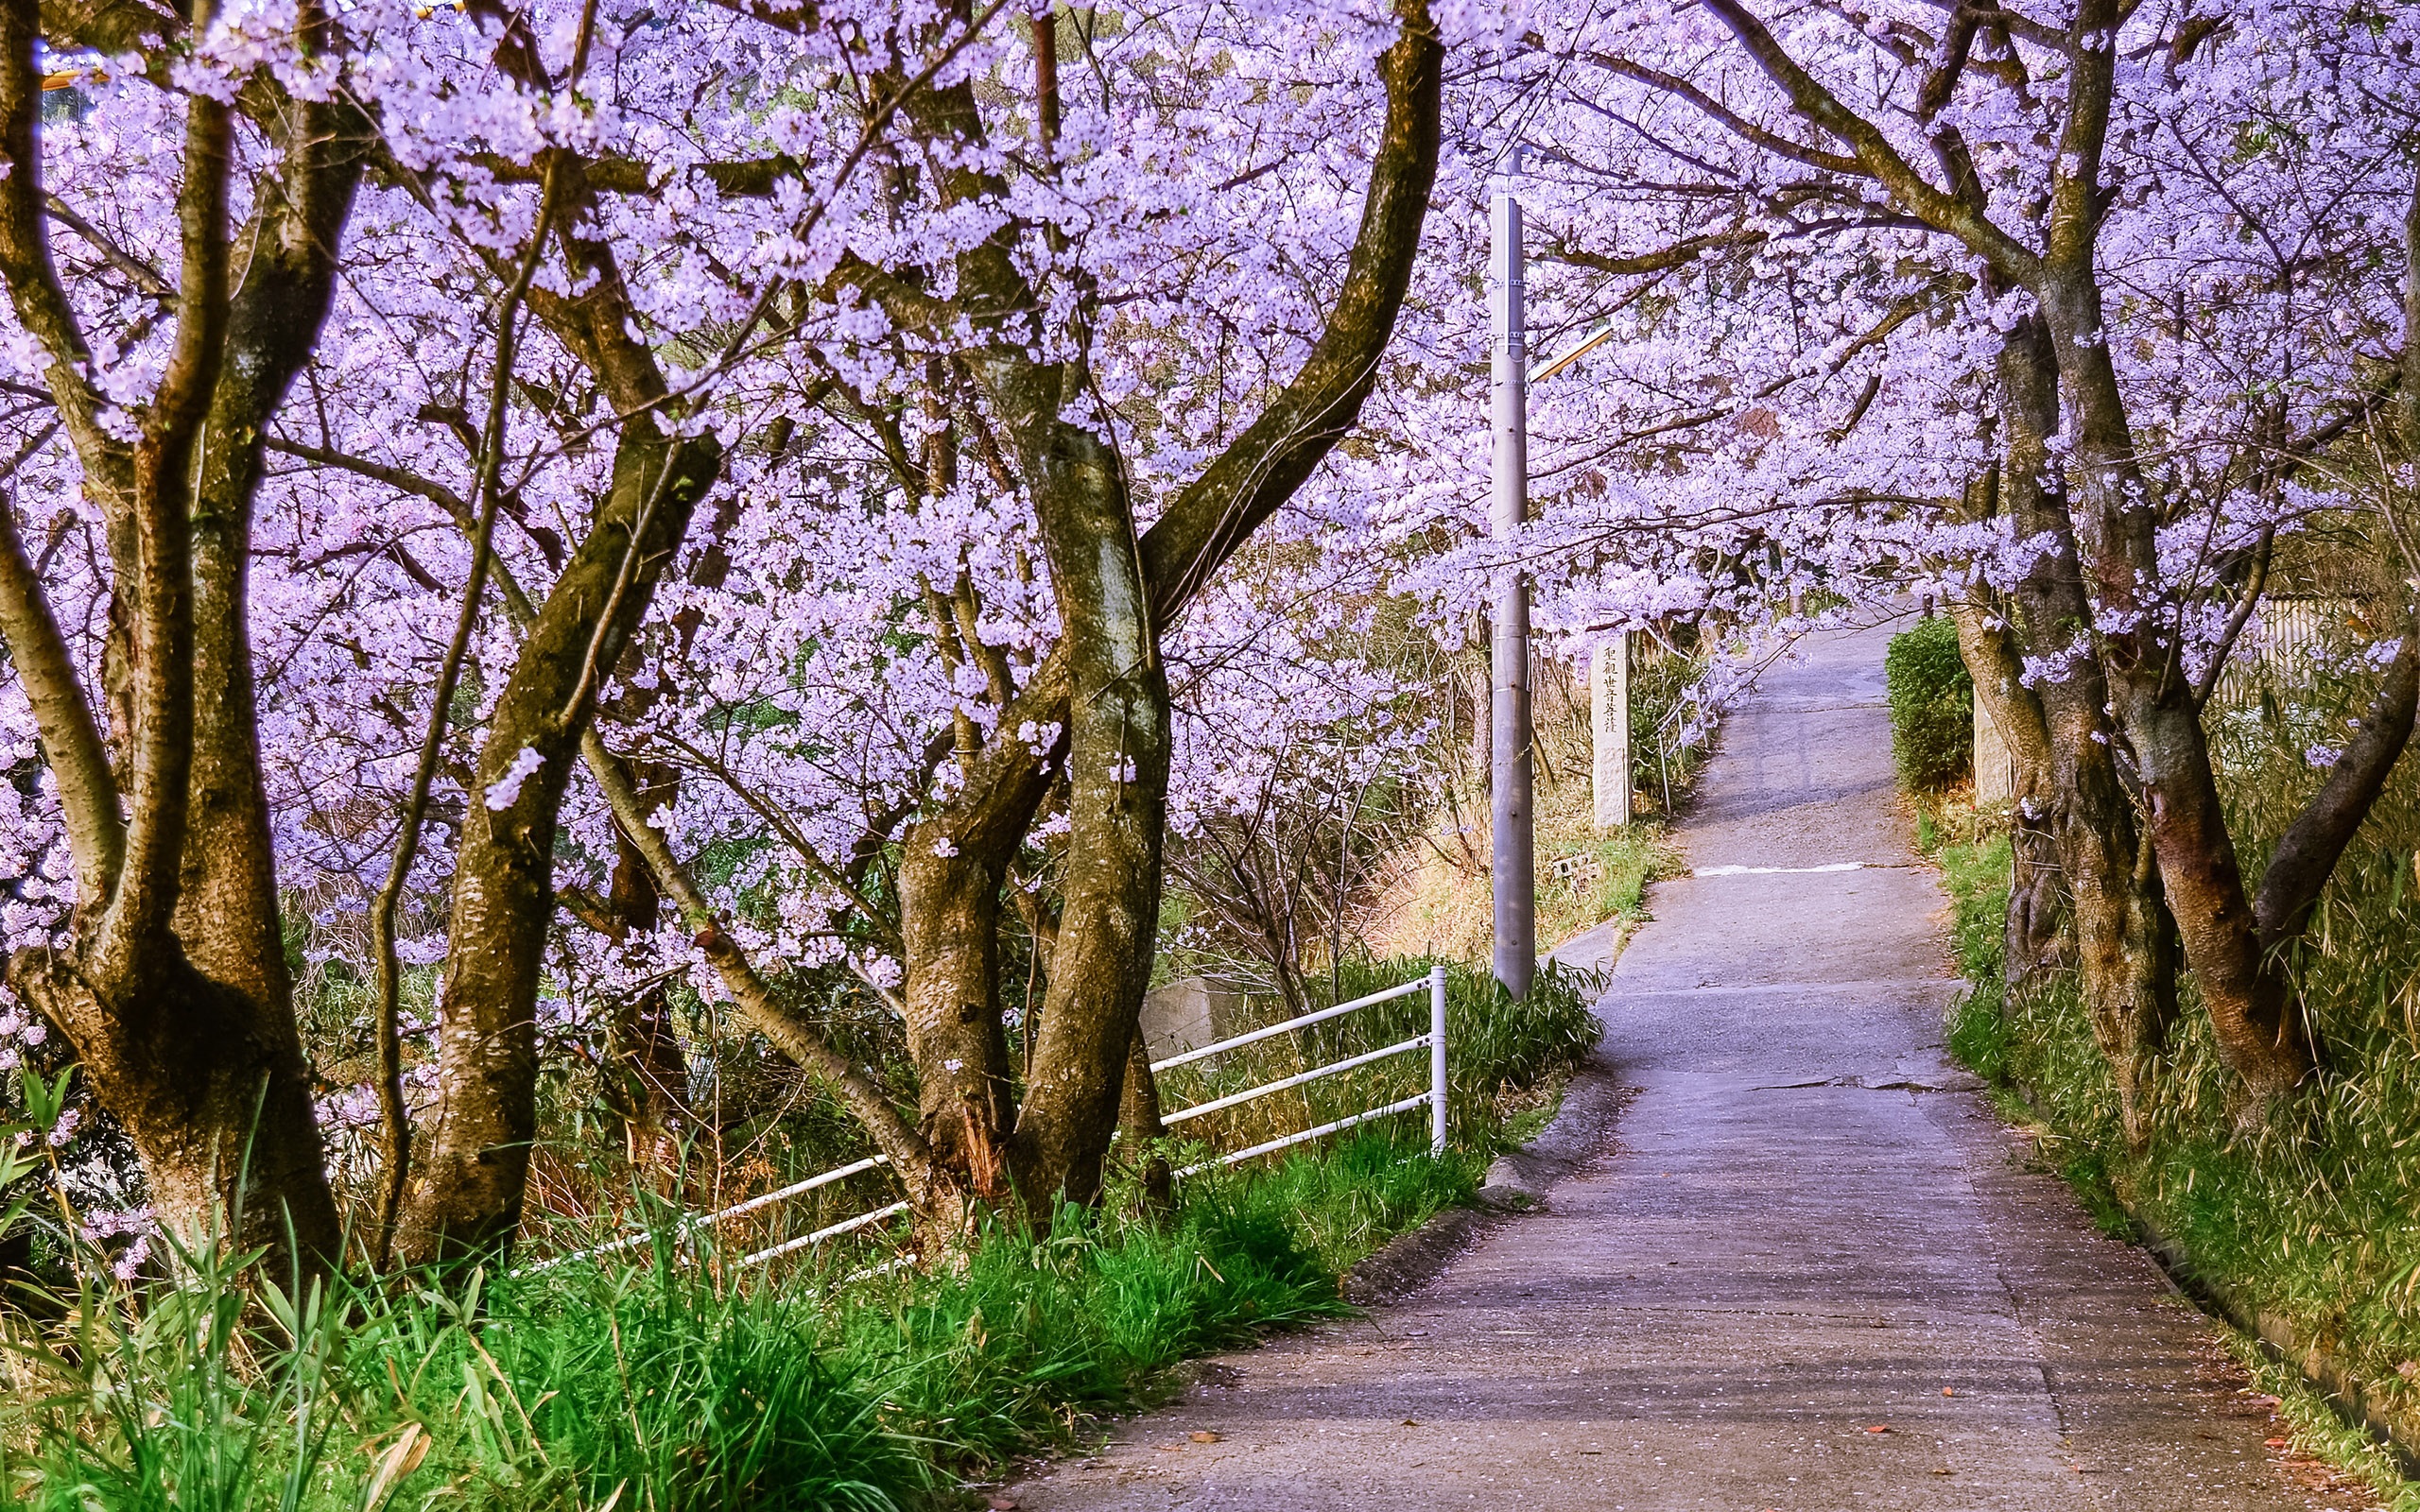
column 1094, row 714
column 471, row 1164
column 173, row 988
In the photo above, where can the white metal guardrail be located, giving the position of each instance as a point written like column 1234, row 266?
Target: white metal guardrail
column 1433, row 1042
column 1433, row 1099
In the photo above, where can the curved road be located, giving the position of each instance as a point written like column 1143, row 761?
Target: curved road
column 1807, row 1228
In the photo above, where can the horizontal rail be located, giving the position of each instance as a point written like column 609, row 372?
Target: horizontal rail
column 1435, row 1098
column 1275, row 1029
column 845, row 1225
column 1416, row 1043
column 690, row 1226
column 1271, row 1146
column 797, row 1188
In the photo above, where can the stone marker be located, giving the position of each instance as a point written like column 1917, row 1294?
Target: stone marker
column 1189, row 1013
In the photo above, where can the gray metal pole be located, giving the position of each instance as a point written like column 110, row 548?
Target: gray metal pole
column 1516, row 859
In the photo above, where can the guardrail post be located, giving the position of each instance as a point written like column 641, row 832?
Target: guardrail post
column 1437, row 1060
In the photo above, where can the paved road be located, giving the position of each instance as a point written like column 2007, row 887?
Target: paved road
column 1807, row 1230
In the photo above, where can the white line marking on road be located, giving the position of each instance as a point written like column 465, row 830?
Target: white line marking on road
column 1767, row 871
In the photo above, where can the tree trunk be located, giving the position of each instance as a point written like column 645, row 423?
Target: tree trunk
column 949, row 907
column 2253, row 1019
column 466, row 1191
column 2034, row 929
column 2124, row 969
column 1139, row 1125
column 1118, row 767
column 1102, row 690
column 228, row 909
column 175, row 993
column 642, row 1070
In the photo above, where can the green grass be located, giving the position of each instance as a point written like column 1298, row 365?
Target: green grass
column 681, row 1383
column 685, row 1388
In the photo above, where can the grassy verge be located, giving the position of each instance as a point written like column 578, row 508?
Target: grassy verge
column 681, row 1383
column 2313, row 1219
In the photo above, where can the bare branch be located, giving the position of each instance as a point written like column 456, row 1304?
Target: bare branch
column 795, row 1035
column 1723, row 116
column 71, row 737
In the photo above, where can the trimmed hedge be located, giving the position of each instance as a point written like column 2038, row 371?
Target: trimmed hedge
column 1932, row 706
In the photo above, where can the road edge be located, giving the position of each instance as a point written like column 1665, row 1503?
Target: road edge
column 1520, row 1181
column 2344, row 1390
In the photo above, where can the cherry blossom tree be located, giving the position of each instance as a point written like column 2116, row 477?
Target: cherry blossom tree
column 924, row 381
column 2070, row 316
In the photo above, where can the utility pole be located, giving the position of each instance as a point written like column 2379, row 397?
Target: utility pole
column 1515, row 873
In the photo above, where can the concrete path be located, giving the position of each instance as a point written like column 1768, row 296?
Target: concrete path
column 1808, row 1230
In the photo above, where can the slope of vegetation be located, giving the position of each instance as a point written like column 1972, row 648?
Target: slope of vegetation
column 2311, row 1214
column 1436, row 894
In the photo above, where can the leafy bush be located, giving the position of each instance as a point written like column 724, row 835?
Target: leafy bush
column 1932, row 706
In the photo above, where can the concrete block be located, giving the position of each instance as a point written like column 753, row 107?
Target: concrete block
column 1189, row 1013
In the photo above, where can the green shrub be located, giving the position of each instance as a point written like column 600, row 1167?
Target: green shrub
column 1932, row 706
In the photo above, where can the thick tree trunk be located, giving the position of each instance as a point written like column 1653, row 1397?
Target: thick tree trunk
column 218, row 1111
column 2125, row 969
column 1117, row 766
column 949, row 909
column 466, row 1189
column 2254, row 1021
column 176, row 994
column 226, row 909
column 2034, row 928
column 1102, row 689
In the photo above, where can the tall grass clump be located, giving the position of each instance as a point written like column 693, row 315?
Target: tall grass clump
column 1932, row 706
column 679, row 1383
column 1976, row 875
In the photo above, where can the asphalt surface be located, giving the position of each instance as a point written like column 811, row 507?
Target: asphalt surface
column 1810, row 1271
